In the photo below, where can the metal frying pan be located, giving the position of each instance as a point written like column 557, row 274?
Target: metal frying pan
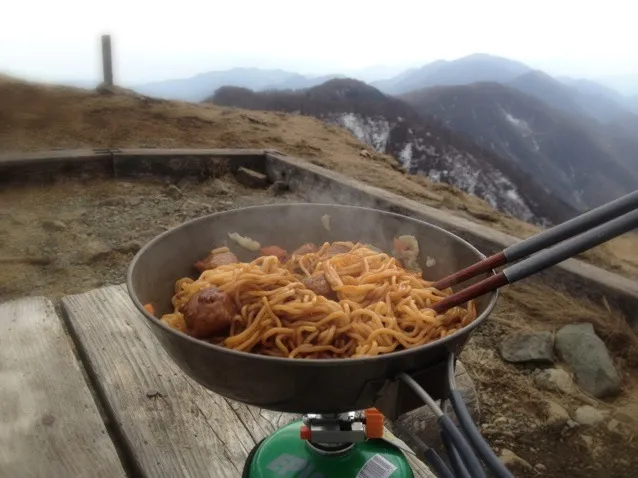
column 298, row 385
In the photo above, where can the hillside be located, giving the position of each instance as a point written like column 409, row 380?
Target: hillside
column 560, row 152
column 580, row 98
column 391, row 126
column 549, row 90
column 36, row 117
column 469, row 69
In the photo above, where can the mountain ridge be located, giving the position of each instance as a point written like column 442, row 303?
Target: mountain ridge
column 539, row 139
column 468, row 69
column 423, row 146
column 476, row 67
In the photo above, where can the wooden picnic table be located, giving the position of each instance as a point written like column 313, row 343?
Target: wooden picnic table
column 95, row 395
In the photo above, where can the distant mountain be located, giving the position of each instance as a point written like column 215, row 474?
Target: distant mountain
column 199, row 87
column 576, row 97
column 548, row 89
column 391, row 126
column 625, row 84
column 632, row 103
column 593, row 88
column 374, row 73
column 567, row 155
column 299, row 82
column 469, row 69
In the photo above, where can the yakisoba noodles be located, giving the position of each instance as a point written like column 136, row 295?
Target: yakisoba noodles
column 372, row 305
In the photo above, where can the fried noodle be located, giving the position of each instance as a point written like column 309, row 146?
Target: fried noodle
column 379, row 306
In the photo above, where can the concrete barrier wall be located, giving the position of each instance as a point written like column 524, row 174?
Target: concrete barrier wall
column 316, row 184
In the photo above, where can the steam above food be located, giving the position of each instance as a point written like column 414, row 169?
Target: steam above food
column 335, row 300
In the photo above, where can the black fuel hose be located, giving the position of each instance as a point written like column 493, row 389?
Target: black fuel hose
column 453, row 456
column 440, row 468
column 451, row 435
column 456, row 439
column 472, row 433
column 431, row 457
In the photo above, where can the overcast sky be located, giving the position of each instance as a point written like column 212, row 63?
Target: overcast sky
column 59, row 40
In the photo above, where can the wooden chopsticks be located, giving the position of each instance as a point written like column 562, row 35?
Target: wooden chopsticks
column 568, row 239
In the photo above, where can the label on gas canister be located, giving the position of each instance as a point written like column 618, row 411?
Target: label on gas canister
column 376, row 467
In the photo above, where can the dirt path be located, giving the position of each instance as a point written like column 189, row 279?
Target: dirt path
column 71, row 237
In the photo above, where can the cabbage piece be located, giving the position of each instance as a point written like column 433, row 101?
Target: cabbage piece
column 245, row 242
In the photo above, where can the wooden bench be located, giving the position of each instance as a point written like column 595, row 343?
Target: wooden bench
column 50, row 424
column 133, row 413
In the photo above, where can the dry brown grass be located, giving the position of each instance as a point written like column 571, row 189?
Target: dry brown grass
column 534, row 306
column 38, row 117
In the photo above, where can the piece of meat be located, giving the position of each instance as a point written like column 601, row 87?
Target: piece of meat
column 305, row 249
column 207, row 312
column 278, row 252
column 216, row 260
column 319, row 285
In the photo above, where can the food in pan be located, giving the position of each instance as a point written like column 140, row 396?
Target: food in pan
column 336, row 300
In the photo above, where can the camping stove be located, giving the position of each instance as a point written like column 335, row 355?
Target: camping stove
column 329, row 445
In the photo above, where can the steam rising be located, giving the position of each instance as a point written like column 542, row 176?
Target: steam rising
column 438, row 256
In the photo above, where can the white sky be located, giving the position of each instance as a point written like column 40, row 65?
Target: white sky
column 55, row 40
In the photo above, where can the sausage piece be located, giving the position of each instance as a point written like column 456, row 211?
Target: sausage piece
column 216, row 260
column 207, row 312
column 276, row 251
column 305, row 249
column 319, row 285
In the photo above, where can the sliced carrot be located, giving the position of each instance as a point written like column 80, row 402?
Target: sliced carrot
column 149, row 308
column 276, row 251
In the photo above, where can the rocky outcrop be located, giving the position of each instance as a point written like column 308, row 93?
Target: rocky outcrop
column 587, row 357
column 528, row 347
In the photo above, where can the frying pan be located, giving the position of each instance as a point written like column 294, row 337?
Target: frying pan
column 303, row 385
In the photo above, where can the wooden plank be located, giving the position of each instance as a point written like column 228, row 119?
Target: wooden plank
column 171, row 425
column 49, row 422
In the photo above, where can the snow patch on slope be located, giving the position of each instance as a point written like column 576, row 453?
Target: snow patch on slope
column 418, row 153
column 405, row 156
column 523, row 128
column 468, row 174
column 520, row 124
column 372, row 131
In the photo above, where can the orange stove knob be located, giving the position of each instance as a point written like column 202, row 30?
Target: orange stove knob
column 304, row 432
column 374, row 423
